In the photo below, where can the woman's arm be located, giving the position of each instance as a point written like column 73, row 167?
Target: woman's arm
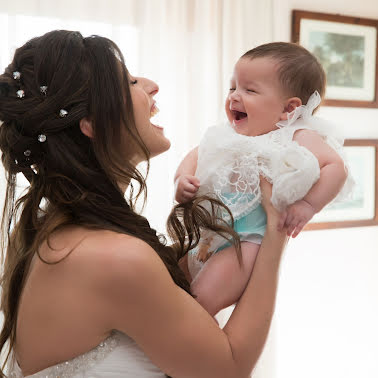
column 179, row 336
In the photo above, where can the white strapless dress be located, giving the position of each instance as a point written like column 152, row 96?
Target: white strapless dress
column 117, row 356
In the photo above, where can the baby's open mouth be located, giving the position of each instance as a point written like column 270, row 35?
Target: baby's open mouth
column 238, row 115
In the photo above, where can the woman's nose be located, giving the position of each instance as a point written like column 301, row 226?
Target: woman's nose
column 151, row 87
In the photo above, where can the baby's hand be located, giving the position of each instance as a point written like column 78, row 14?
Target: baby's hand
column 186, row 188
column 295, row 217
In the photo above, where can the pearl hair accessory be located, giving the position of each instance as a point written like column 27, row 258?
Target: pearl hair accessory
column 42, row 138
column 20, row 93
column 63, row 113
column 43, row 89
column 16, row 75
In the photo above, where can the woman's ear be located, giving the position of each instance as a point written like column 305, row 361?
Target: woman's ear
column 289, row 106
column 86, row 127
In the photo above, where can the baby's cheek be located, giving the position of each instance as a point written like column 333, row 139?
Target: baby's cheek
column 228, row 114
column 227, row 105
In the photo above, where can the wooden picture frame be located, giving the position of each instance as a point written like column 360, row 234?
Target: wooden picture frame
column 347, row 48
column 362, row 209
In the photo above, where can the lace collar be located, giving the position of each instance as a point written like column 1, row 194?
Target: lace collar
column 303, row 111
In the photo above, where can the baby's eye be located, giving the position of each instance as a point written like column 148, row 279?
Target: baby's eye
column 251, row 90
column 232, row 89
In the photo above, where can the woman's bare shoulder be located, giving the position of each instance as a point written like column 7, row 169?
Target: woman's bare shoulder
column 109, row 247
column 114, row 256
column 99, row 256
column 120, row 268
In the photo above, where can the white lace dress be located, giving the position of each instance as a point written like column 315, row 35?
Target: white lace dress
column 229, row 167
column 117, row 356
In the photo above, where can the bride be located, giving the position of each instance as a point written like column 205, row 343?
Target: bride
column 88, row 287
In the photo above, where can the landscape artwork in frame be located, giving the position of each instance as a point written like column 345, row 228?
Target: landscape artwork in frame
column 361, row 207
column 347, row 49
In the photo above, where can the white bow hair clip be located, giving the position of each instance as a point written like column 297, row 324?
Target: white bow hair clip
column 303, row 111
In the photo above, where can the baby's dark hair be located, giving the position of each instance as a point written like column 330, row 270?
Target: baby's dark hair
column 299, row 72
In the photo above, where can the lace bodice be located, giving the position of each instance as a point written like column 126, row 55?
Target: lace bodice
column 117, row 356
column 229, row 165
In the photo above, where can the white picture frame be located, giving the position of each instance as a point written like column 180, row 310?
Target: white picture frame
column 347, row 49
column 360, row 208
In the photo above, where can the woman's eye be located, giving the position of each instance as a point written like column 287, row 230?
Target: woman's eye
column 132, row 82
column 232, row 89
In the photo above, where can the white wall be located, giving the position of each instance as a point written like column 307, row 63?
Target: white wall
column 326, row 320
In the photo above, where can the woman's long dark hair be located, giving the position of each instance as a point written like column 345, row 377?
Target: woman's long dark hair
column 74, row 180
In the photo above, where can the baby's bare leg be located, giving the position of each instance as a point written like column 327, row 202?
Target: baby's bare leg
column 221, row 281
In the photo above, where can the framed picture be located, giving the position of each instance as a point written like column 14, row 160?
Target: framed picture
column 361, row 209
column 347, row 49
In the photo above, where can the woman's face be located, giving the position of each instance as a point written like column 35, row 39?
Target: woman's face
column 142, row 94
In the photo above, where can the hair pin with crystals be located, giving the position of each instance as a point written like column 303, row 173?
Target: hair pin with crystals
column 20, row 93
column 43, row 89
column 16, row 75
column 42, row 138
column 63, row 113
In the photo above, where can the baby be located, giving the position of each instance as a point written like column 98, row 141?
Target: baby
column 271, row 133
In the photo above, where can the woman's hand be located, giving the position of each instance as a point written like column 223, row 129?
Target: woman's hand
column 266, row 194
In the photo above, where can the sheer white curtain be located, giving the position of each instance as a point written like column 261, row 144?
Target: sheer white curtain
column 188, row 47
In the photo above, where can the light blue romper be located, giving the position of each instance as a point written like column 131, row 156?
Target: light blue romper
column 251, row 227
